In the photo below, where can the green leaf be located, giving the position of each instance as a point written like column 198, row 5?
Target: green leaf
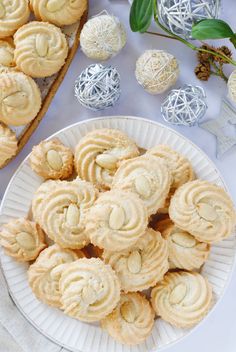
column 211, row 29
column 141, row 15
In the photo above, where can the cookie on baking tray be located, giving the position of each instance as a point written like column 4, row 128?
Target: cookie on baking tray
column 13, row 14
column 8, row 143
column 52, row 160
column 7, row 52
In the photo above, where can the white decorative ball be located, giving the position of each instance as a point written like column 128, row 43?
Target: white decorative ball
column 102, row 37
column 180, row 15
column 232, row 86
column 184, row 106
column 156, row 71
column 98, row 87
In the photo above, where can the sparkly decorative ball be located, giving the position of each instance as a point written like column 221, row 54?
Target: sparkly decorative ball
column 180, row 15
column 232, row 86
column 156, row 71
column 102, row 37
column 98, row 87
column 184, row 106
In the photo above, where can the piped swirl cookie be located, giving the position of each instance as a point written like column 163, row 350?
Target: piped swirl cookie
column 22, row 239
column 185, row 251
column 58, row 12
column 13, row 14
column 99, row 153
column 182, row 298
column 131, row 322
column 52, row 159
column 142, row 266
column 60, row 208
column 20, row 98
column 148, row 177
column 8, row 143
column 40, row 49
column 117, row 220
column 204, row 210
column 45, row 273
column 7, row 52
column 90, row 290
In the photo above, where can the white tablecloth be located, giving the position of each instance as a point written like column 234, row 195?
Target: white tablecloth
column 217, row 333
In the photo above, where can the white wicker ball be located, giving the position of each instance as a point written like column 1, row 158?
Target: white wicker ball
column 232, row 86
column 156, row 71
column 102, row 37
column 180, row 15
column 98, row 87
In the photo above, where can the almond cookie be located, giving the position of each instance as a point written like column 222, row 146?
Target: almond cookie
column 8, row 143
column 204, row 210
column 142, row 266
column 7, row 52
column 185, row 251
column 99, row 153
column 20, row 98
column 13, row 14
column 60, row 208
column 90, row 290
column 58, row 12
column 41, row 49
column 22, row 239
column 131, row 322
column 182, row 298
column 45, row 273
column 52, row 159
column 148, row 177
column 117, row 220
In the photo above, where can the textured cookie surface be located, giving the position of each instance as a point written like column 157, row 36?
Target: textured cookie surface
column 204, row 210
column 7, row 52
column 60, row 208
column 142, row 266
column 148, row 177
column 40, row 49
column 58, row 12
column 117, row 220
column 13, row 14
column 182, row 298
column 51, row 159
column 90, row 290
column 131, row 322
column 22, row 239
column 20, row 98
column 8, row 143
column 99, row 153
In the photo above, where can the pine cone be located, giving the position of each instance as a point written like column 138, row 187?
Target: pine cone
column 202, row 56
column 203, row 71
column 225, row 51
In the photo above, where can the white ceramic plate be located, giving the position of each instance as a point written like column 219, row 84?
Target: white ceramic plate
column 70, row 333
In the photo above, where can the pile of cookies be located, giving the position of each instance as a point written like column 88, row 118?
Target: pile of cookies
column 131, row 230
column 29, row 50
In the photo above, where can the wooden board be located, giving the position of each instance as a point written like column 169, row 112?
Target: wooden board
column 31, row 127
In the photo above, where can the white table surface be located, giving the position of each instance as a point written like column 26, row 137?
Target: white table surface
column 218, row 332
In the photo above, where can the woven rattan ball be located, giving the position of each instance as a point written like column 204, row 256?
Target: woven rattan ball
column 232, row 86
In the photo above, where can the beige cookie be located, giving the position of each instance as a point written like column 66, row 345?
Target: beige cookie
column 185, row 251
column 60, row 207
column 204, row 210
column 8, row 143
column 45, row 273
column 22, row 239
column 99, row 153
column 182, row 298
column 7, row 52
column 117, row 220
column 148, row 177
column 90, row 290
column 13, row 14
column 131, row 322
column 52, row 160
column 142, row 266
column 41, row 49
column 58, row 12
column 20, row 98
